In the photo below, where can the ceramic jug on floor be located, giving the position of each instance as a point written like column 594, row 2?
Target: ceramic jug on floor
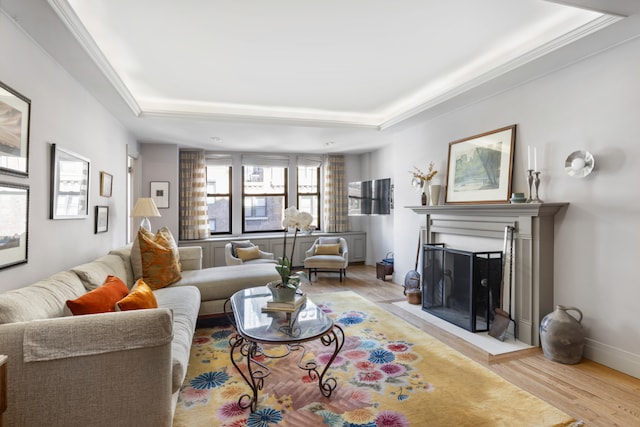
column 561, row 335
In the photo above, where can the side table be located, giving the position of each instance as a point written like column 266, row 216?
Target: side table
column 383, row 269
column 3, row 385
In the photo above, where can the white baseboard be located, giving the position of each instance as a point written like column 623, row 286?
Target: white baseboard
column 613, row 357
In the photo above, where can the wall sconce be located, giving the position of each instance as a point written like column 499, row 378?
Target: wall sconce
column 579, row 164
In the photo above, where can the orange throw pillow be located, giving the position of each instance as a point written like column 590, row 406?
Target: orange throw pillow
column 141, row 296
column 166, row 233
column 160, row 267
column 100, row 300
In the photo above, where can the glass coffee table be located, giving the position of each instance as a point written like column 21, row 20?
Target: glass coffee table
column 257, row 331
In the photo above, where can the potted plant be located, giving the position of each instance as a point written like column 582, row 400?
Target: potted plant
column 285, row 288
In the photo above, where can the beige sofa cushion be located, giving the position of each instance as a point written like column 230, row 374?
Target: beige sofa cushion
column 108, row 333
column 136, row 255
column 124, row 253
column 222, row 282
column 184, row 303
column 116, row 266
column 94, row 273
column 41, row 300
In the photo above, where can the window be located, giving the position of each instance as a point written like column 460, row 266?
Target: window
column 219, row 198
column 264, row 196
column 309, row 192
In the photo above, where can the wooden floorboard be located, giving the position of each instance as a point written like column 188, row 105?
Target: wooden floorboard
column 588, row 391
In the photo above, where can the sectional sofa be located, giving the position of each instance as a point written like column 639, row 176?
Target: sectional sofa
column 118, row 368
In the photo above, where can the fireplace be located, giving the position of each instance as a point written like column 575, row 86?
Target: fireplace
column 461, row 287
column 533, row 249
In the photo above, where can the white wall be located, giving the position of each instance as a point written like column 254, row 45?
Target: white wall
column 62, row 112
column 592, row 105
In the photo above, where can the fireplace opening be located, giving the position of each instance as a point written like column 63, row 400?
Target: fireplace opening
column 461, row 287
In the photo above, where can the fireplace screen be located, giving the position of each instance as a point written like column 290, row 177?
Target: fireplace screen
column 461, row 287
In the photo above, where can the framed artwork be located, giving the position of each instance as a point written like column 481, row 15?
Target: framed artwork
column 69, row 184
column 479, row 167
column 14, row 224
column 102, row 219
column 106, row 184
column 160, row 193
column 15, row 112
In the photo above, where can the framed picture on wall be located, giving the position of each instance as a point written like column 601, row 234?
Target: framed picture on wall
column 106, row 183
column 15, row 111
column 160, row 193
column 102, row 219
column 69, row 184
column 14, row 224
column 480, row 166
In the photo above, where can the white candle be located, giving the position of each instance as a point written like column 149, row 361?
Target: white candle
column 535, row 159
column 528, row 157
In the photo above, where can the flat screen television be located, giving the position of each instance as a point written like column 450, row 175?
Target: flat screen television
column 370, row 197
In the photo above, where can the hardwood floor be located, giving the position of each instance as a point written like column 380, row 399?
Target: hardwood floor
column 588, row 391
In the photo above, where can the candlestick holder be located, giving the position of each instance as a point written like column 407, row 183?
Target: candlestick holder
column 530, row 181
column 537, row 184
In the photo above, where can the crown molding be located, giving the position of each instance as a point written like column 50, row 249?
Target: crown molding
column 78, row 30
column 500, row 70
column 402, row 110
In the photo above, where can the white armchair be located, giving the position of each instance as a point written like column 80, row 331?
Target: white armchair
column 328, row 254
column 245, row 252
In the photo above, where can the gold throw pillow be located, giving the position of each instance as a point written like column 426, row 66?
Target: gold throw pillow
column 328, row 249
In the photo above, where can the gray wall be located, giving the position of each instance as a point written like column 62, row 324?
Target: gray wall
column 159, row 162
column 62, row 112
column 592, row 105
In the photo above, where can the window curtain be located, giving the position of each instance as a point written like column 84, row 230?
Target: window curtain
column 335, row 195
column 194, row 215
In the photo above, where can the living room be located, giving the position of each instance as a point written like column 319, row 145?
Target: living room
column 586, row 100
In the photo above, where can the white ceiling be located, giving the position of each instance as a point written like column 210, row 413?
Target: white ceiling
column 256, row 75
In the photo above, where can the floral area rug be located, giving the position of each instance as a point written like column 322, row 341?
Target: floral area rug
column 389, row 374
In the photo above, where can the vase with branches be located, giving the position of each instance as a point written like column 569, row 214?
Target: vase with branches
column 422, row 180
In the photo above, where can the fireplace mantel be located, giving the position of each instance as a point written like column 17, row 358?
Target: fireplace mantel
column 533, row 249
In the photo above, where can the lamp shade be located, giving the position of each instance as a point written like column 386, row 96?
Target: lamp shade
column 145, row 207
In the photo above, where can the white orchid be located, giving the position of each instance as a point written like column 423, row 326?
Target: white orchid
column 297, row 220
column 293, row 218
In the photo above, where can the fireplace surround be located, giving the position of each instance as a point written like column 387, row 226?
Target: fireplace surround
column 533, row 223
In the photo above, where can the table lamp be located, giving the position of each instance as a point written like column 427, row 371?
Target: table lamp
column 145, row 207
